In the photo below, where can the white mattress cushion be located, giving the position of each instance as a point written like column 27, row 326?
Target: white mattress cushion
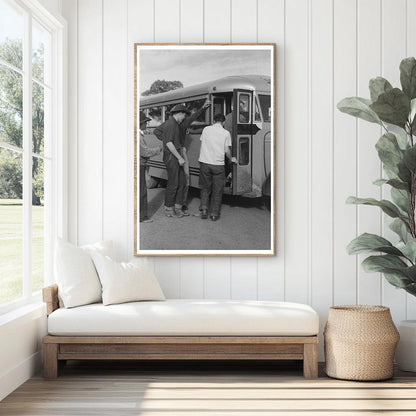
column 187, row 317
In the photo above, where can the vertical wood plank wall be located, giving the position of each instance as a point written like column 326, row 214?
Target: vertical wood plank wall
column 326, row 50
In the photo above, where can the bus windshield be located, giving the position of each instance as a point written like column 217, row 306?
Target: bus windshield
column 265, row 107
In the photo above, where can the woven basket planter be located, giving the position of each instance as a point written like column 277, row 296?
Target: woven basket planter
column 360, row 342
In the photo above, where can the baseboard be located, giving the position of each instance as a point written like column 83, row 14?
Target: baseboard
column 10, row 380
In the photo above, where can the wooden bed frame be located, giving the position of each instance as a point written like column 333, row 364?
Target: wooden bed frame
column 58, row 349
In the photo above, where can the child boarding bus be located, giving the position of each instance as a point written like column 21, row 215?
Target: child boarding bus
column 245, row 101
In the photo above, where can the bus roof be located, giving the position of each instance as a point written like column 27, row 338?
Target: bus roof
column 226, row 84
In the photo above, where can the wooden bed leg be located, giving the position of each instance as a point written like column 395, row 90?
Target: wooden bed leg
column 50, row 360
column 310, row 360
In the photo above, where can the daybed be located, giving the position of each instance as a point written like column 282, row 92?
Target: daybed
column 180, row 329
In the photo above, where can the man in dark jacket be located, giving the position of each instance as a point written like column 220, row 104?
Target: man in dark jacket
column 173, row 159
column 183, row 181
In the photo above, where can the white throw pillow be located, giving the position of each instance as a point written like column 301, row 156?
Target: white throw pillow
column 103, row 247
column 75, row 273
column 126, row 282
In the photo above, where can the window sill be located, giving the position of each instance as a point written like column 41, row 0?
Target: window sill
column 34, row 306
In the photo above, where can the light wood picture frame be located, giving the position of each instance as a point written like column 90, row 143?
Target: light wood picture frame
column 178, row 91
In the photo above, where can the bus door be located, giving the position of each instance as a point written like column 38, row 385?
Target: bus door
column 242, row 137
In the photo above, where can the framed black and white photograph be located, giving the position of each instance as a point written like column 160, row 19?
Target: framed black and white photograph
column 204, row 150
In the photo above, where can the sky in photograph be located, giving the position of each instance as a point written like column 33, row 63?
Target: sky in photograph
column 195, row 66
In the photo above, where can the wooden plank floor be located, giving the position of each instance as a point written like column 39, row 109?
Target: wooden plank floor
column 215, row 388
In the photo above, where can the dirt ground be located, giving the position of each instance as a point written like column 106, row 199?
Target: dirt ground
column 244, row 225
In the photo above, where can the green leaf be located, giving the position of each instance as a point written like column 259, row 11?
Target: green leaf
column 396, row 271
column 397, row 280
column 406, row 273
column 380, row 182
column 408, row 249
column 388, row 207
column 410, row 158
column 398, row 184
column 390, row 173
column 359, row 107
column 410, row 272
column 392, row 107
column 395, row 183
column 401, row 139
column 389, row 151
column 378, row 86
column 381, row 263
column 408, row 77
column 411, row 289
column 366, row 243
column 400, row 228
column 404, row 173
column 400, row 198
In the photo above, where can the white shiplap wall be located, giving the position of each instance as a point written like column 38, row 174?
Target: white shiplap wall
column 326, row 50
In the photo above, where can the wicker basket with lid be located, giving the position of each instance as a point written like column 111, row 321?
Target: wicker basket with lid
column 360, row 341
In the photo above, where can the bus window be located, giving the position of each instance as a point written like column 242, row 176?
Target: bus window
column 155, row 113
column 244, row 151
column 265, row 107
column 196, row 105
column 222, row 104
column 243, row 108
column 257, row 116
column 219, row 105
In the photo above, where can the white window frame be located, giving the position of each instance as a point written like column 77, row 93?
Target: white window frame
column 58, row 211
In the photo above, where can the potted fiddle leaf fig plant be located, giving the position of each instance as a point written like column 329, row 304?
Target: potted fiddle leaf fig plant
column 394, row 109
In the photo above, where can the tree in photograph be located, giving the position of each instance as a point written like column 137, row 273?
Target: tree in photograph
column 11, row 116
column 162, row 86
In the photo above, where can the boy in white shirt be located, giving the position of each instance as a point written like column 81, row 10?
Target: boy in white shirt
column 215, row 144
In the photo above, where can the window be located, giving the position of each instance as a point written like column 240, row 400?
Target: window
column 192, row 106
column 265, row 107
column 28, row 155
column 222, row 104
column 244, row 108
column 196, row 105
column 219, row 106
column 257, row 116
column 244, row 151
column 156, row 116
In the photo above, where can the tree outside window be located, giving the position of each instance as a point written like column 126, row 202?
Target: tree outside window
column 13, row 230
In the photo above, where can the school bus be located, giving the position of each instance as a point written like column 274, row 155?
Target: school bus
column 246, row 102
